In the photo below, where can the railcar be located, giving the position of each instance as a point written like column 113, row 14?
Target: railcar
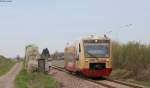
column 91, row 56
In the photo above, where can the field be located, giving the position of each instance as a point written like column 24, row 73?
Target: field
column 5, row 65
column 34, row 80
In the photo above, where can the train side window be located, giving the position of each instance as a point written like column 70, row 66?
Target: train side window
column 79, row 48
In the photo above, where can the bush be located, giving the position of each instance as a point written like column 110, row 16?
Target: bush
column 133, row 57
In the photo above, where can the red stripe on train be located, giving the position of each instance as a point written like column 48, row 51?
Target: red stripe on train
column 96, row 73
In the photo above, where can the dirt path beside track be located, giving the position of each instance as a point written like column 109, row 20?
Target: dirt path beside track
column 7, row 80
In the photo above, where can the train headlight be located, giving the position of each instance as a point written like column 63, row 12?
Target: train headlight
column 86, row 61
column 96, row 40
column 107, row 60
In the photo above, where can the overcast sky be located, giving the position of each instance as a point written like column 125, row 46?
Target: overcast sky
column 53, row 23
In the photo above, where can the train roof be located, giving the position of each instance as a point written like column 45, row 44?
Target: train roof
column 93, row 37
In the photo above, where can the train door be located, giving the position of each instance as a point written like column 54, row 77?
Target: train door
column 77, row 58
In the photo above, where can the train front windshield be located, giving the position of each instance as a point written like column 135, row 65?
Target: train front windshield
column 97, row 50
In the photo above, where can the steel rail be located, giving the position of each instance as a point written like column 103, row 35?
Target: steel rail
column 124, row 83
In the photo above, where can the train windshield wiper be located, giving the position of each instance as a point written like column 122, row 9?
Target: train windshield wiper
column 91, row 54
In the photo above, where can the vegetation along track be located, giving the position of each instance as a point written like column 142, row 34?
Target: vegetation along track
column 102, row 83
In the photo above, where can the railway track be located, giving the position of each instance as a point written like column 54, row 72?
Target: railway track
column 124, row 83
column 101, row 82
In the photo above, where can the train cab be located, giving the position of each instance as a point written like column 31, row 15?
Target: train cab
column 91, row 57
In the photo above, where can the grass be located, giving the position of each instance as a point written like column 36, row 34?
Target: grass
column 34, row 80
column 120, row 74
column 146, row 83
column 124, row 75
column 5, row 65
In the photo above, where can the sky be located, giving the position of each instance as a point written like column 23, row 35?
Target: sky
column 52, row 23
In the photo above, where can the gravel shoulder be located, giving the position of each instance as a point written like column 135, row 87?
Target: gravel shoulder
column 68, row 81
column 7, row 80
